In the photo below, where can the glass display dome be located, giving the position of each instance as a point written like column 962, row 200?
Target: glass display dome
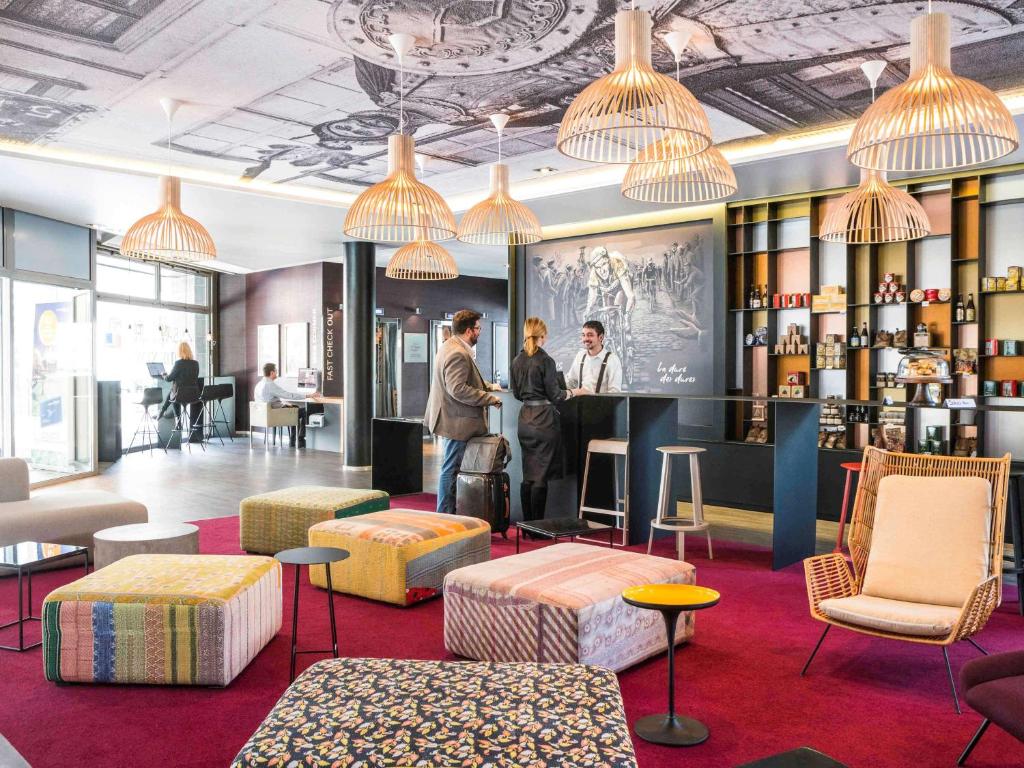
column 924, row 367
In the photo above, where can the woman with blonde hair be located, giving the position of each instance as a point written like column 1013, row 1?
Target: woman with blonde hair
column 534, row 381
column 184, row 378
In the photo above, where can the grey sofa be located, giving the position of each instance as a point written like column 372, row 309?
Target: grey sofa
column 58, row 517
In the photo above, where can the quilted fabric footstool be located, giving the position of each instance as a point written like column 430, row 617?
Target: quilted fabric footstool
column 560, row 603
column 399, row 556
column 273, row 522
column 436, row 713
column 173, row 619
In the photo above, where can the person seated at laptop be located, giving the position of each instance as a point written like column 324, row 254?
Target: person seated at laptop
column 269, row 391
column 184, row 378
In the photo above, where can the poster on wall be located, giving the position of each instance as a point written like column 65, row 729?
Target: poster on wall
column 268, row 346
column 415, row 346
column 652, row 289
column 296, row 348
column 51, row 385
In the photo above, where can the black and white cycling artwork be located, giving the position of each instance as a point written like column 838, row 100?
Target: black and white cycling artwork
column 651, row 288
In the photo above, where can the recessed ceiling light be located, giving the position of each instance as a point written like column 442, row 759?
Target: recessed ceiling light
column 545, row 170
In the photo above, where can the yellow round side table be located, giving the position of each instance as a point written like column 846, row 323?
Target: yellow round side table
column 671, row 600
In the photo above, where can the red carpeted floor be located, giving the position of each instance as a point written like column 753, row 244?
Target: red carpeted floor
column 870, row 703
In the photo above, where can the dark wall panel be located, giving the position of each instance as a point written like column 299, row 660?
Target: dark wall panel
column 399, row 298
column 231, row 344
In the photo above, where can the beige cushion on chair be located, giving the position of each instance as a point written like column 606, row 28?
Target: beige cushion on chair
column 930, row 542
column 892, row 615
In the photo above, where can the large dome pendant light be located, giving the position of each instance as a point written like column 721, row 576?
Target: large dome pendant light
column 500, row 219
column 874, row 212
column 168, row 234
column 421, row 260
column 618, row 116
column 935, row 121
column 699, row 178
column 400, row 209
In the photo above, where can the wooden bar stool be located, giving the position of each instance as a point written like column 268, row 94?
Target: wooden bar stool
column 614, row 447
column 671, row 522
column 850, row 467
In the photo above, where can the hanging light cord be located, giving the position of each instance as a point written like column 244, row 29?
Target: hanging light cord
column 401, row 93
column 499, row 143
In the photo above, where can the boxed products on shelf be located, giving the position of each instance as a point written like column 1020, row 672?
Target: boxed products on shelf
column 831, row 299
column 793, row 343
column 1012, row 281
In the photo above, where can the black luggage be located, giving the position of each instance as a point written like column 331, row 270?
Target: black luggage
column 485, row 496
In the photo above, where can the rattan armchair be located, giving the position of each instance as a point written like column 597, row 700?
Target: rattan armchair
column 833, row 576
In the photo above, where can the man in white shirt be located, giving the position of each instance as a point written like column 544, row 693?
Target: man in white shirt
column 595, row 368
column 269, row 391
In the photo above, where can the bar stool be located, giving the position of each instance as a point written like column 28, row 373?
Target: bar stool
column 147, row 426
column 184, row 424
column 610, row 447
column 680, row 525
column 219, row 416
column 850, row 467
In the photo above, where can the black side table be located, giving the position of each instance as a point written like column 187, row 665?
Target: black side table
column 23, row 558
column 299, row 557
column 804, row 757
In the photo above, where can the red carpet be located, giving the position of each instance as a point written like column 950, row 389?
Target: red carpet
column 870, row 703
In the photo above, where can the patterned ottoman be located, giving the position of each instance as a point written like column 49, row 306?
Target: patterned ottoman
column 560, row 603
column 185, row 619
column 400, row 556
column 436, row 713
column 272, row 522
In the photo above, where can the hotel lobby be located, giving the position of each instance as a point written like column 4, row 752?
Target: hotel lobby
column 512, row 384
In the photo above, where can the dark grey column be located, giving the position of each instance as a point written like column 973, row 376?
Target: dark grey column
column 357, row 356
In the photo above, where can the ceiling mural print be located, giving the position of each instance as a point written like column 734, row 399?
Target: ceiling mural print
column 306, row 91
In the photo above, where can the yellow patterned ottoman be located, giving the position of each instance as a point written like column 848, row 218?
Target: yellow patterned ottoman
column 561, row 603
column 400, row 556
column 173, row 619
column 273, row 522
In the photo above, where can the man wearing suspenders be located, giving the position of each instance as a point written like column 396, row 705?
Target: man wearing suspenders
column 595, row 368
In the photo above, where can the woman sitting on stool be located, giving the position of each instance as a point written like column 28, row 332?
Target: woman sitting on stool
column 535, row 382
column 184, row 376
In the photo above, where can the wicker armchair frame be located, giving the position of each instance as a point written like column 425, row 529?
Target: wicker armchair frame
column 833, row 576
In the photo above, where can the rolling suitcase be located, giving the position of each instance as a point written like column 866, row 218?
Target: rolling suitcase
column 485, row 496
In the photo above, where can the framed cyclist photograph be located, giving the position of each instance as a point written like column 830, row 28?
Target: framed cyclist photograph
column 652, row 290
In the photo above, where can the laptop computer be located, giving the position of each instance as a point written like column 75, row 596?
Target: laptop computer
column 156, row 370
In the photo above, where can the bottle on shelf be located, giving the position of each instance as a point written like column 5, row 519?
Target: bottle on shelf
column 864, row 341
column 969, row 309
column 764, row 297
column 960, row 313
column 854, row 338
column 753, row 300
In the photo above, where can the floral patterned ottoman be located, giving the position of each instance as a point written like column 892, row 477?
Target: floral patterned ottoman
column 400, row 556
column 560, row 603
column 172, row 619
column 272, row 522
column 353, row 712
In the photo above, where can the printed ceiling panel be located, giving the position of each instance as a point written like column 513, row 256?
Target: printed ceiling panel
column 306, row 91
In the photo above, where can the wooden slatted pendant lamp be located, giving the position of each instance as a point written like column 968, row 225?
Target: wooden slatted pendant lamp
column 633, row 107
column 874, row 212
column 935, row 120
column 500, row 219
column 400, row 209
column 698, row 178
column 422, row 260
column 167, row 234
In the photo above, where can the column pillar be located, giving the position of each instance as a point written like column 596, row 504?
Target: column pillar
column 357, row 367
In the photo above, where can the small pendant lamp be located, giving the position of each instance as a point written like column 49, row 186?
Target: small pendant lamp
column 935, row 120
column 167, row 234
column 633, row 107
column 500, row 219
column 422, row 260
column 698, row 178
column 400, row 209
column 874, row 212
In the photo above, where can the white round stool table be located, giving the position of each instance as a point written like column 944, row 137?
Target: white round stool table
column 111, row 544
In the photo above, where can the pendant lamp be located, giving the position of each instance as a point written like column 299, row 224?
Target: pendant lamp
column 400, row 209
column 935, row 120
column 422, row 260
column 633, row 107
column 167, row 234
column 698, row 178
column 500, row 219
column 874, row 212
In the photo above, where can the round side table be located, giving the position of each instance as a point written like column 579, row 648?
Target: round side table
column 299, row 557
column 671, row 600
column 111, row 544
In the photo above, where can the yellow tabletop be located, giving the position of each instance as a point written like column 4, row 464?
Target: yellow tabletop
column 657, row 596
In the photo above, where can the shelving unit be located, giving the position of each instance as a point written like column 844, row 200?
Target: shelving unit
column 775, row 243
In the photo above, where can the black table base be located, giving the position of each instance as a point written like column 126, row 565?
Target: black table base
column 25, row 574
column 672, row 730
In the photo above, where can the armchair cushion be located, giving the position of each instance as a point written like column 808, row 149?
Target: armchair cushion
column 930, row 542
column 13, row 480
column 892, row 615
column 266, row 415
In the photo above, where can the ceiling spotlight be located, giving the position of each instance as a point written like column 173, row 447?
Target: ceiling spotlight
column 545, row 170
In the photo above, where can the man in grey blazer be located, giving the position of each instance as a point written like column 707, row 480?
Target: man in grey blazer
column 457, row 406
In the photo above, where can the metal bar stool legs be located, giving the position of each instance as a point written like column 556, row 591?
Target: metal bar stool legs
column 614, row 448
column 666, row 521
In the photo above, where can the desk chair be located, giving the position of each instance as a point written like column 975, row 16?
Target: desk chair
column 265, row 417
column 147, row 426
column 184, row 424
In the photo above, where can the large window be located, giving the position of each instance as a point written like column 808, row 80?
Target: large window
column 124, row 277
column 183, row 287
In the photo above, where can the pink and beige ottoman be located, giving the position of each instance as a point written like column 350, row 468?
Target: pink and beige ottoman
column 273, row 522
column 400, row 556
column 560, row 603
column 162, row 619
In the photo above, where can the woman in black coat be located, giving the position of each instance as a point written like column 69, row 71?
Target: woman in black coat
column 184, row 378
column 534, row 381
